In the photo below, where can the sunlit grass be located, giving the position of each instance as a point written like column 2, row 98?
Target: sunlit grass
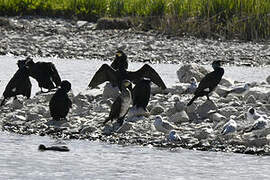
column 244, row 19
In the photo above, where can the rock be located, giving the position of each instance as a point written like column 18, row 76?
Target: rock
column 88, row 129
column 179, row 106
column 186, row 72
column 268, row 79
column 156, row 110
column 228, row 111
column 113, row 23
column 226, row 82
column 179, row 117
column 81, row 23
column 204, row 133
column 16, row 104
column 135, row 112
column 216, row 117
column 81, row 100
column 251, row 99
column 30, row 116
column 221, row 90
column 204, row 109
column 125, row 127
column 110, row 92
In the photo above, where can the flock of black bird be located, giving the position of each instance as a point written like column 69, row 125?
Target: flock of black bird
column 47, row 76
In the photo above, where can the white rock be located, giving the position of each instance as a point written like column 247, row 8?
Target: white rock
column 216, row 117
column 228, row 111
column 186, row 72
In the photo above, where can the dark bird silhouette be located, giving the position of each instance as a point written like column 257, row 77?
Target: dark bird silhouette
column 19, row 84
column 118, row 72
column 141, row 93
column 45, row 74
column 60, row 102
column 121, row 104
column 209, row 82
column 42, row 147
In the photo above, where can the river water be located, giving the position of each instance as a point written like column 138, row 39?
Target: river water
column 20, row 158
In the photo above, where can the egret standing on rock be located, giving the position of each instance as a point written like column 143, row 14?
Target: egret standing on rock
column 19, row 84
column 209, row 82
column 60, row 102
column 121, row 104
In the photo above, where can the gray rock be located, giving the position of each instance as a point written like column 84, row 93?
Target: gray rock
column 156, row 110
column 179, row 106
column 16, row 104
column 216, row 117
column 251, row 99
column 88, row 129
column 179, row 117
column 186, row 72
column 268, row 79
column 204, row 109
column 226, row 82
column 110, row 92
column 228, row 111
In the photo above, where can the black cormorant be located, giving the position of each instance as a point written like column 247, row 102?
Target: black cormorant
column 209, row 82
column 118, row 72
column 19, row 84
column 45, row 73
column 141, row 93
column 121, row 104
column 60, row 102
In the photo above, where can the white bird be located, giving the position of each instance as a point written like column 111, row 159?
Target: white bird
column 162, row 126
column 193, row 86
column 260, row 121
column 229, row 127
column 238, row 91
column 173, row 136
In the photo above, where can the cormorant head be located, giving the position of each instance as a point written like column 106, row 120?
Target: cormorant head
column 21, row 63
column 65, row 85
column 120, row 61
column 216, row 64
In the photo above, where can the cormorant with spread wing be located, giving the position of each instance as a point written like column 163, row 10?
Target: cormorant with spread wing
column 209, row 82
column 19, row 84
column 45, row 73
column 117, row 72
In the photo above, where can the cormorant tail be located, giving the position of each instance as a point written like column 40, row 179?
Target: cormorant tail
column 191, row 101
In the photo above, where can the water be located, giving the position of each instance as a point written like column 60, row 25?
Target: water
column 20, row 159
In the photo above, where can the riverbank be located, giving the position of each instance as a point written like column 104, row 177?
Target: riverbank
column 64, row 38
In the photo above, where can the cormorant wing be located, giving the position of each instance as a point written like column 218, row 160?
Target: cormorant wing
column 105, row 73
column 148, row 72
column 209, row 82
column 54, row 74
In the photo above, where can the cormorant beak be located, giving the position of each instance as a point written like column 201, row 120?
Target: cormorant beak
column 127, row 83
column 118, row 54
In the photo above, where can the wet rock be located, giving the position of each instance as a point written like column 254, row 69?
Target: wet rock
column 186, row 72
column 156, row 110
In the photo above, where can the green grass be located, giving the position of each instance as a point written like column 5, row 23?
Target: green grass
column 243, row 19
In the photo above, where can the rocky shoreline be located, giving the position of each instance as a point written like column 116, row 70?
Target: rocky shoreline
column 64, row 38
column 199, row 126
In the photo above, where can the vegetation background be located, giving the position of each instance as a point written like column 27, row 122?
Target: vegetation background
column 229, row 19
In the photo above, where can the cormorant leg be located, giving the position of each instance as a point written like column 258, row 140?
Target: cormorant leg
column 207, row 97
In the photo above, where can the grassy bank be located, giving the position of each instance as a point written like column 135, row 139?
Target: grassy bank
column 243, row 19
